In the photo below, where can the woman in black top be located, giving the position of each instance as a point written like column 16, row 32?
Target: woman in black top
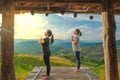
column 46, row 50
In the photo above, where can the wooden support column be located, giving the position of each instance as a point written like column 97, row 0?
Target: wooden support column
column 109, row 40
column 7, row 40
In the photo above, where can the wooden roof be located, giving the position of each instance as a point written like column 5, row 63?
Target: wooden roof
column 60, row 6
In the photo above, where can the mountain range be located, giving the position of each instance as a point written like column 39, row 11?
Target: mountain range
column 32, row 46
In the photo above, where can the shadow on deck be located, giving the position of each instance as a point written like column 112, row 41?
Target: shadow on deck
column 63, row 73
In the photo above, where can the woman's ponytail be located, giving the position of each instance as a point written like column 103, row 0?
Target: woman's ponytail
column 50, row 35
column 52, row 39
column 79, row 32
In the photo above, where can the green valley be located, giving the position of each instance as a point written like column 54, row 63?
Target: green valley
column 29, row 55
column 25, row 63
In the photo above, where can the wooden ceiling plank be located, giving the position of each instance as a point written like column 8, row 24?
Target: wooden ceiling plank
column 58, row 1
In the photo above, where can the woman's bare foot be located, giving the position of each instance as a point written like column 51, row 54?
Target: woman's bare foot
column 76, row 70
column 45, row 76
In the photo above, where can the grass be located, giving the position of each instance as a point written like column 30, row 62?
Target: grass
column 25, row 63
column 99, row 70
column 58, row 61
column 21, row 73
column 93, row 62
column 119, row 69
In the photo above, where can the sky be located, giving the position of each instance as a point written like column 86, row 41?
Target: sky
column 29, row 26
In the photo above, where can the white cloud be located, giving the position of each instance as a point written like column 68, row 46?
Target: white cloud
column 27, row 20
column 28, row 26
column 117, row 18
column 96, row 17
column 118, row 35
column 28, row 33
column 33, row 27
column 88, row 33
column 59, row 33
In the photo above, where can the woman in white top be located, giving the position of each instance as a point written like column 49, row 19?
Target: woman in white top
column 76, row 48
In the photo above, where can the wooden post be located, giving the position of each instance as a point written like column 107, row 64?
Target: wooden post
column 109, row 40
column 7, row 40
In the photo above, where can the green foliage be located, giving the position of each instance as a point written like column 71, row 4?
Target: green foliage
column 95, row 63
column 25, row 63
column 21, row 72
column 65, row 51
column 118, row 52
column 91, row 56
column 59, row 61
column 119, row 70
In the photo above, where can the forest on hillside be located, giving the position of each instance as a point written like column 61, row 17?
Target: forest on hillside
column 91, row 56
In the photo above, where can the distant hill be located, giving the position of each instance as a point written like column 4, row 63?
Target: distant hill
column 32, row 46
column 67, row 43
column 118, row 42
column 27, row 47
column 59, row 46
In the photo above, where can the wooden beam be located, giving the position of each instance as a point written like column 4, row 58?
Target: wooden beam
column 55, row 10
column 109, row 40
column 48, row 6
column 38, row 8
column 67, row 7
column 27, row 5
column 7, row 40
column 58, row 1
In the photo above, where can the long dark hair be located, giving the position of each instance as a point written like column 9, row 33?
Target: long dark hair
column 79, row 32
column 50, row 35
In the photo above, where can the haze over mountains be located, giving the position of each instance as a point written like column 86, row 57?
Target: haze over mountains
column 32, row 46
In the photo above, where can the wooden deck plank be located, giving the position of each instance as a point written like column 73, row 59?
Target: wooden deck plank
column 34, row 74
column 66, row 73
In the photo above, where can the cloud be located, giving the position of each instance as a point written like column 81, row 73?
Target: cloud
column 29, row 27
column 33, row 27
column 117, row 19
column 60, row 33
column 96, row 17
column 28, row 33
column 89, row 33
column 27, row 20
column 118, row 35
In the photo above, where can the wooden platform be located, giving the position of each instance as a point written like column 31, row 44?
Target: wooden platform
column 63, row 73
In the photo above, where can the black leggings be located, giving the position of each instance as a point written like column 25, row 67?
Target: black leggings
column 47, row 62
